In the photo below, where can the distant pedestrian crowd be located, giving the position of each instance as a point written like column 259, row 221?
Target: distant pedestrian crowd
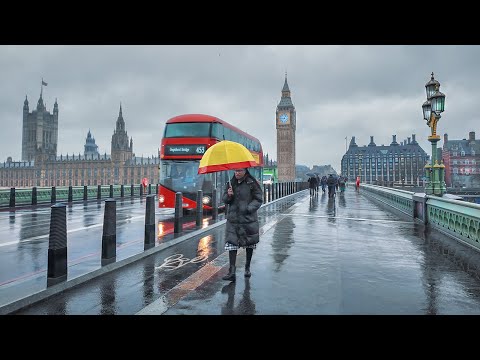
column 331, row 182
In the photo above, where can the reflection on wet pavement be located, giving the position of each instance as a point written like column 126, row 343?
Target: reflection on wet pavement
column 346, row 255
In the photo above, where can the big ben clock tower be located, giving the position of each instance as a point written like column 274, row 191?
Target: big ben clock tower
column 286, row 125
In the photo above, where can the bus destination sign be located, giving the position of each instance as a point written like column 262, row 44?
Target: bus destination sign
column 185, row 149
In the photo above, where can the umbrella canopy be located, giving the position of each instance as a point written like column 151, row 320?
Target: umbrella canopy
column 309, row 174
column 226, row 155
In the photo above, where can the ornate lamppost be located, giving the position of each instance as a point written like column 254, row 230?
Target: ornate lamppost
column 435, row 171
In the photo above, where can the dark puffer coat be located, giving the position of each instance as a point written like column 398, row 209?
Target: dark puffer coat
column 242, row 227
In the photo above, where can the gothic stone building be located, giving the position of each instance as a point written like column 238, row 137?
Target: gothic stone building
column 286, row 121
column 40, row 165
column 40, row 130
column 385, row 165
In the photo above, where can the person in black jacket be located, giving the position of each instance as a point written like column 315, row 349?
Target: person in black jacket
column 332, row 184
column 312, row 184
column 244, row 196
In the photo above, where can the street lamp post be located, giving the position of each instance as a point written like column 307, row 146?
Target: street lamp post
column 435, row 104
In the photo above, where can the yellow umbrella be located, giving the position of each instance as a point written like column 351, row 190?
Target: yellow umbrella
column 226, row 155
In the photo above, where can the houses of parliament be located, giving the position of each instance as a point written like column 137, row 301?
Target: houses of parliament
column 41, row 166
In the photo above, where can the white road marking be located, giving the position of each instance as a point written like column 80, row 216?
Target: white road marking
column 69, row 231
column 350, row 218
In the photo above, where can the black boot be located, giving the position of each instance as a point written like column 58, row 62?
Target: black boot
column 247, row 271
column 231, row 274
column 247, row 263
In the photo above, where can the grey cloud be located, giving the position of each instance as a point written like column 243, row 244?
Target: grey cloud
column 338, row 92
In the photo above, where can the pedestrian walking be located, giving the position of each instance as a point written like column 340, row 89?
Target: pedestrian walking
column 332, row 184
column 341, row 184
column 312, row 181
column 323, row 182
column 357, row 184
column 244, row 196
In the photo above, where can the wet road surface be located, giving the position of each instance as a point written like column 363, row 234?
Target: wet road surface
column 24, row 238
column 316, row 255
column 347, row 256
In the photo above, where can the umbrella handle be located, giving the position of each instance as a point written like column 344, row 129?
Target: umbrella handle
column 228, row 174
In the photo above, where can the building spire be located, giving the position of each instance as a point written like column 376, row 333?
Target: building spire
column 285, row 85
column 120, row 122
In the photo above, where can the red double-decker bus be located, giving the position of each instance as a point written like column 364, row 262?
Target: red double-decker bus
column 185, row 140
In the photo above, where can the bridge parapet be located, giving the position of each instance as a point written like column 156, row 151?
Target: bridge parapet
column 44, row 195
column 456, row 218
column 399, row 199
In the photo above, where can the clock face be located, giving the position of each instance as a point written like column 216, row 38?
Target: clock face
column 283, row 118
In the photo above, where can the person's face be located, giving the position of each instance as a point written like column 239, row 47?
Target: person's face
column 239, row 173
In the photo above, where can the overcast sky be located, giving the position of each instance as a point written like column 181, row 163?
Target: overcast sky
column 338, row 91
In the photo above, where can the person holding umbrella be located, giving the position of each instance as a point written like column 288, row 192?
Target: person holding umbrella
column 242, row 194
column 244, row 197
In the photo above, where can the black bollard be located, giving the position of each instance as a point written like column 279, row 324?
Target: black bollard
column 99, row 192
column 53, row 198
column 111, row 191
column 149, row 189
column 150, row 222
column 177, row 227
column 109, row 237
column 57, row 242
column 141, row 189
column 34, row 195
column 85, row 193
column 264, row 193
column 12, row 197
column 122, row 191
column 214, row 204
column 70, row 194
column 156, row 189
column 199, row 209
column 132, row 190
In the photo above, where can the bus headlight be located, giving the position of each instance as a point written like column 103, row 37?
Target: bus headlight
column 206, row 200
column 161, row 199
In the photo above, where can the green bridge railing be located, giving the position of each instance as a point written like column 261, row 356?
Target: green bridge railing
column 449, row 214
column 49, row 195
